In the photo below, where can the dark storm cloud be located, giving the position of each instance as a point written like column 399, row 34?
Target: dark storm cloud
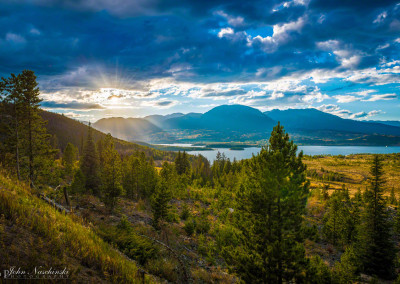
column 70, row 105
column 78, row 43
column 163, row 103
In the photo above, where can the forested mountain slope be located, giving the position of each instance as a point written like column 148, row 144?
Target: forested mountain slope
column 69, row 130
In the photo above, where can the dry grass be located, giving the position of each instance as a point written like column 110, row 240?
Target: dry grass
column 66, row 234
column 355, row 171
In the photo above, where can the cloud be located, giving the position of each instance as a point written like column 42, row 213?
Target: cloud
column 364, row 115
column 282, row 34
column 71, row 105
column 346, row 98
column 380, row 18
column 162, row 103
column 15, row 38
column 344, row 113
column 225, row 31
column 335, row 110
column 361, row 114
column 261, row 54
column 379, row 97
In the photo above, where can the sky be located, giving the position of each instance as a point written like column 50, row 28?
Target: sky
column 103, row 58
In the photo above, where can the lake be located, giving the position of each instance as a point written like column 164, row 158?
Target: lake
column 308, row 150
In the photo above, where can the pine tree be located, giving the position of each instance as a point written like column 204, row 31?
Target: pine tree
column 27, row 135
column 90, row 164
column 69, row 159
column 375, row 247
column 159, row 204
column 148, row 175
column 111, row 173
column 10, row 90
column 35, row 133
column 162, row 196
column 178, row 163
column 182, row 163
column 78, row 182
column 392, row 198
column 271, row 204
column 339, row 224
column 131, row 180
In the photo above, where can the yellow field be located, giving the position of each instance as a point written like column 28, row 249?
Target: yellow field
column 353, row 171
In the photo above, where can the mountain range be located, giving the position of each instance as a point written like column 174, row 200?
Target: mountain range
column 238, row 123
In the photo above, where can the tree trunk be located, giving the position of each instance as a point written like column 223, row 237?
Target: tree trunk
column 17, row 141
column 30, row 147
column 66, row 196
column 280, row 280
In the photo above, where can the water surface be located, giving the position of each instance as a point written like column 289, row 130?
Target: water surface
column 308, row 150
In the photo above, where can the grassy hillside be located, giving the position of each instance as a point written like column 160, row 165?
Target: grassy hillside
column 33, row 234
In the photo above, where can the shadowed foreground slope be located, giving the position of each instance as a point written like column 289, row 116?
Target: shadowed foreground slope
column 34, row 234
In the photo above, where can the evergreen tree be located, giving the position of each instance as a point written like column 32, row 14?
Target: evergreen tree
column 27, row 137
column 68, row 160
column 347, row 269
column 111, row 173
column 78, row 183
column 148, row 175
column 392, row 198
column 339, row 224
column 10, row 91
column 182, row 163
column 201, row 170
column 375, row 247
column 90, row 164
column 36, row 139
column 162, row 196
column 131, row 179
column 271, row 204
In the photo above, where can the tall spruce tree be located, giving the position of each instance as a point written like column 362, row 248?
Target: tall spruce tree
column 35, row 133
column 182, row 163
column 131, row 179
column 111, row 173
column 271, row 204
column 90, row 164
column 375, row 246
column 339, row 221
column 68, row 160
column 10, row 92
column 162, row 195
column 27, row 135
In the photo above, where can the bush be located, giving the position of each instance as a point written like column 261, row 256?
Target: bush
column 134, row 246
column 226, row 236
column 190, row 226
column 185, row 214
column 173, row 216
column 318, row 271
column 202, row 223
column 124, row 224
column 346, row 270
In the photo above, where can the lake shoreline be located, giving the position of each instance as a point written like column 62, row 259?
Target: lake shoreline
column 239, row 152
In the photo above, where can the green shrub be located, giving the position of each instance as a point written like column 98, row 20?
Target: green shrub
column 190, row 226
column 185, row 213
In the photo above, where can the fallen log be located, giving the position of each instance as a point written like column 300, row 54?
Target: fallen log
column 59, row 207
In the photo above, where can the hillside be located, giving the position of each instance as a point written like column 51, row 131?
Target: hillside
column 130, row 129
column 45, row 237
column 387, row 122
column 70, row 130
column 158, row 120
